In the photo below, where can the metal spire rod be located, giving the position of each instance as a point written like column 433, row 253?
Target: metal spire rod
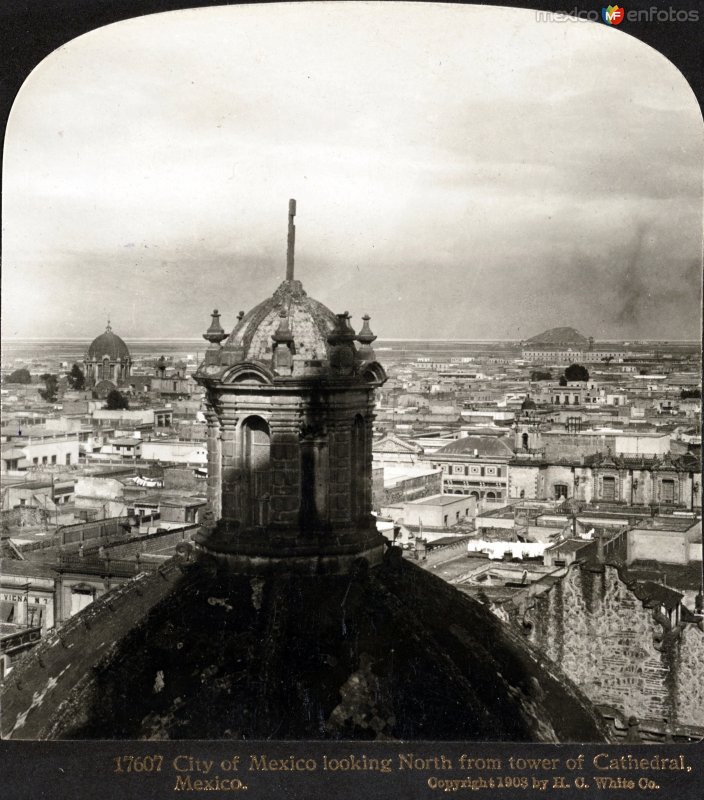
column 291, row 240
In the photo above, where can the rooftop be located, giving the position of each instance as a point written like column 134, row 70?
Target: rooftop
column 439, row 500
column 670, row 523
column 569, row 545
column 485, row 447
column 30, row 569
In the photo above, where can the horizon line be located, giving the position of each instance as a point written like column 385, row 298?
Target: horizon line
column 633, row 339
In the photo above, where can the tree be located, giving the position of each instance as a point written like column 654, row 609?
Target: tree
column 539, row 375
column 76, row 378
column 691, row 394
column 20, row 376
column 116, row 401
column 563, row 380
column 576, row 372
column 51, row 387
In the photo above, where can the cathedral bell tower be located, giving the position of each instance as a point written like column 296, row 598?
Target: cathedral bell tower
column 290, row 406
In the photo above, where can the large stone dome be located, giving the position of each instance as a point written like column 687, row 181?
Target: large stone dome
column 107, row 363
column 310, row 323
column 392, row 653
column 108, row 344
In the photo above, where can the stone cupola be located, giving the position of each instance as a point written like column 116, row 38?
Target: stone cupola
column 290, row 408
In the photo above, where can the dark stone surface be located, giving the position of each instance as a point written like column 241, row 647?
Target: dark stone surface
column 390, row 653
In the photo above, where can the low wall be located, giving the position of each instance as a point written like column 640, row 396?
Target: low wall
column 443, row 553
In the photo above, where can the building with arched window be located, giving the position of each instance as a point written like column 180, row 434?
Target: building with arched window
column 107, row 364
column 290, row 405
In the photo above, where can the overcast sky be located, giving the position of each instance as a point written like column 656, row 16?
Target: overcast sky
column 460, row 172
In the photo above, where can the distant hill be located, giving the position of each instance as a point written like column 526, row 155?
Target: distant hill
column 559, row 337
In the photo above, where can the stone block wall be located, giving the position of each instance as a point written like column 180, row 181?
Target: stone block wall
column 617, row 651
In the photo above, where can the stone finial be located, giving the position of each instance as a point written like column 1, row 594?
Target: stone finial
column 240, row 316
column 343, row 332
column 365, row 336
column 343, row 352
column 283, row 333
column 108, row 327
column 215, row 333
column 284, row 347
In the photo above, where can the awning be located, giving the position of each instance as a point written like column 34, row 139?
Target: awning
column 13, row 453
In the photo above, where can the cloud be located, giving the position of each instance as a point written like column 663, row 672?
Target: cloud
column 460, row 171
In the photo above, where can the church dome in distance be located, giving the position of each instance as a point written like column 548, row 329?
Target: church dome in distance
column 108, row 344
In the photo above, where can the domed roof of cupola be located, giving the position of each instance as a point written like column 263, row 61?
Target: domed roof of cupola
column 309, row 321
column 291, row 335
column 108, row 344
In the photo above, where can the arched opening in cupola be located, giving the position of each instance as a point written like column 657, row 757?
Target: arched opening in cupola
column 255, row 447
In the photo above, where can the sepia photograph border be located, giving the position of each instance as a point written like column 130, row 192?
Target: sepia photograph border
column 86, row 769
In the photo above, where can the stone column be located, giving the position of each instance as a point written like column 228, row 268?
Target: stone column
column 339, row 472
column 230, row 477
column 285, row 466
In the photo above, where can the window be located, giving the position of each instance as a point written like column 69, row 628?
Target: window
column 68, row 458
column 609, row 491
column 668, row 491
column 44, row 460
column 53, row 459
column 35, row 461
column 81, row 596
column 560, row 491
column 251, row 496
